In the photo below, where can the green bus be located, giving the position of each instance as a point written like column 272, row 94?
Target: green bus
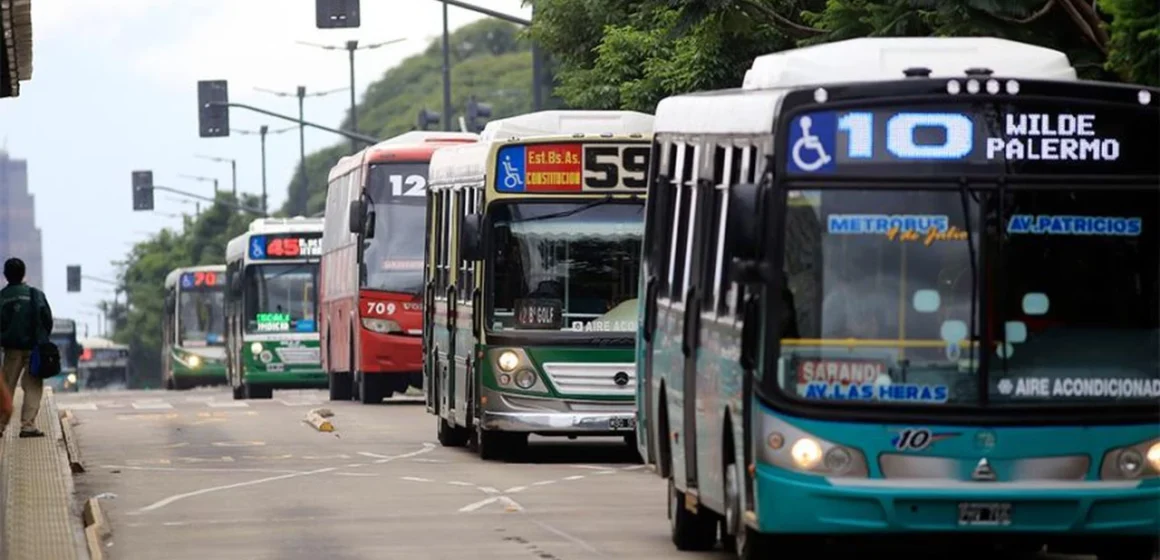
column 534, row 240
column 193, row 333
column 271, row 307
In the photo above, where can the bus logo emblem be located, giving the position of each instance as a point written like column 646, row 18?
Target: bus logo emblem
column 983, row 471
column 621, row 378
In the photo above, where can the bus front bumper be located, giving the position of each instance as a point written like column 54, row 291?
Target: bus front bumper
column 507, row 413
column 795, row 504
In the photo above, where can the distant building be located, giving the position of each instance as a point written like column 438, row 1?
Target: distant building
column 19, row 236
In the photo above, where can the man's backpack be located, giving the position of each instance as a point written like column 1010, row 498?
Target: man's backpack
column 45, row 360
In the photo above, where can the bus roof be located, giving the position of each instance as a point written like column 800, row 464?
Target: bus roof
column 752, row 108
column 175, row 274
column 546, row 123
column 467, row 164
column 416, row 145
column 96, row 343
column 236, row 248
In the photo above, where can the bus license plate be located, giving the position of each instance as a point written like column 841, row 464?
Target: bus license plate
column 275, row 368
column 622, row 423
column 984, row 514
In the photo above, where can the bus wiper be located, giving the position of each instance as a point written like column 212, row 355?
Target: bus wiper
column 965, row 197
column 565, row 213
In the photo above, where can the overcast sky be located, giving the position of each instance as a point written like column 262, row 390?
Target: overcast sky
column 114, row 88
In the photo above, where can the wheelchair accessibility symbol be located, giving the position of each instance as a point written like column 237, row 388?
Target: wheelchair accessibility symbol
column 512, row 167
column 512, row 180
column 809, row 152
column 258, row 247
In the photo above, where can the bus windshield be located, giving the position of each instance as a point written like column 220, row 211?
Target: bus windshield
column 281, row 298
column 201, row 320
column 394, row 257
column 879, row 284
column 66, row 343
column 566, row 266
column 879, row 288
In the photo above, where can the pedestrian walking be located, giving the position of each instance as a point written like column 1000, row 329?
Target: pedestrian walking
column 25, row 323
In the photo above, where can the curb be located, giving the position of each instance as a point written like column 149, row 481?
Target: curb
column 97, row 528
column 318, row 419
column 71, row 447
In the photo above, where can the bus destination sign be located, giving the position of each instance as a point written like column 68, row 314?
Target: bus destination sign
column 285, row 246
column 570, row 168
column 1023, row 138
column 203, row 280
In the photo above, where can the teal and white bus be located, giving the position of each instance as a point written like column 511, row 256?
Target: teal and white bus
column 906, row 288
column 272, row 307
column 193, row 334
column 64, row 335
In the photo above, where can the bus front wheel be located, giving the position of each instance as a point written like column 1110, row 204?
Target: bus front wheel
column 691, row 531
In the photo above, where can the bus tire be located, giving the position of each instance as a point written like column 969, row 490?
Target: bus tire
column 498, row 446
column 170, row 384
column 690, row 531
column 370, row 388
column 259, row 392
column 451, row 436
column 340, row 386
column 239, row 392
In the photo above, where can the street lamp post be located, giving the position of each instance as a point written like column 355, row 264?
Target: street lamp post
column 262, row 132
column 233, row 169
column 301, row 94
column 351, row 47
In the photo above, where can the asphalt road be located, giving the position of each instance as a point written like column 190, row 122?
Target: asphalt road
column 196, row 475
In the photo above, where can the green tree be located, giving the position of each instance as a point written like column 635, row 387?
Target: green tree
column 202, row 241
column 489, row 59
column 631, row 54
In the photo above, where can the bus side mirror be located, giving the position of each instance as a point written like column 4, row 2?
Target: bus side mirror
column 356, row 211
column 470, row 245
column 370, row 225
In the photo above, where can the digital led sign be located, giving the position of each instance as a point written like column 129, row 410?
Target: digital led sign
column 203, row 280
column 1019, row 138
column 285, row 246
column 570, row 168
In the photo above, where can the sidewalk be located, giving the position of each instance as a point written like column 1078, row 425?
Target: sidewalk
column 36, row 491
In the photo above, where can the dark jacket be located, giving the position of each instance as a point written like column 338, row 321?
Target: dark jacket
column 18, row 304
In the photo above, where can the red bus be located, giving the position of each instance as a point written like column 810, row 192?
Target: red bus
column 371, row 279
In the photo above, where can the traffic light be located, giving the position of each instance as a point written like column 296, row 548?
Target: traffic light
column 428, row 118
column 142, row 190
column 336, row 14
column 477, row 114
column 74, row 278
column 213, row 115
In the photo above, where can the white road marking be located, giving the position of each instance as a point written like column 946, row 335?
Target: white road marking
column 574, row 477
column 77, row 406
column 544, row 482
column 417, row 479
column 372, row 455
column 460, row 483
column 228, row 404
column 316, row 457
column 198, row 399
column 573, row 539
column 488, row 490
column 510, row 504
column 427, row 447
column 200, row 469
column 477, row 505
column 515, row 489
column 424, row 460
column 299, row 402
column 152, row 405
column 633, row 468
column 175, row 445
column 355, row 474
column 239, row 443
column 605, row 472
column 592, row 467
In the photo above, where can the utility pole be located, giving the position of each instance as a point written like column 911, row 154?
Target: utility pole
column 301, row 94
column 351, row 47
column 446, row 71
column 262, row 132
column 233, row 170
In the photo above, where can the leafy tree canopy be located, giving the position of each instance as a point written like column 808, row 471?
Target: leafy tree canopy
column 618, row 54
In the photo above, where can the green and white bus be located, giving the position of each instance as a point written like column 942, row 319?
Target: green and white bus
column 271, row 307
column 531, row 275
column 193, row 334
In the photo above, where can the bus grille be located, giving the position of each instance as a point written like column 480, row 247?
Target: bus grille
column 592, row 378
column 300, row 355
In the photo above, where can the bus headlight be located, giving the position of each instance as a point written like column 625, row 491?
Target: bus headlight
column 1141, row 460
column 791, row 448
column 256, row 348
column 194, row 361
column 507, row 361
column 72, row 378
column 381, row 326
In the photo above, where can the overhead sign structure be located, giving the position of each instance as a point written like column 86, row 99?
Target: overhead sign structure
column 569, row 168
column 336, row 14
column 142, row 190
column 213, row 115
